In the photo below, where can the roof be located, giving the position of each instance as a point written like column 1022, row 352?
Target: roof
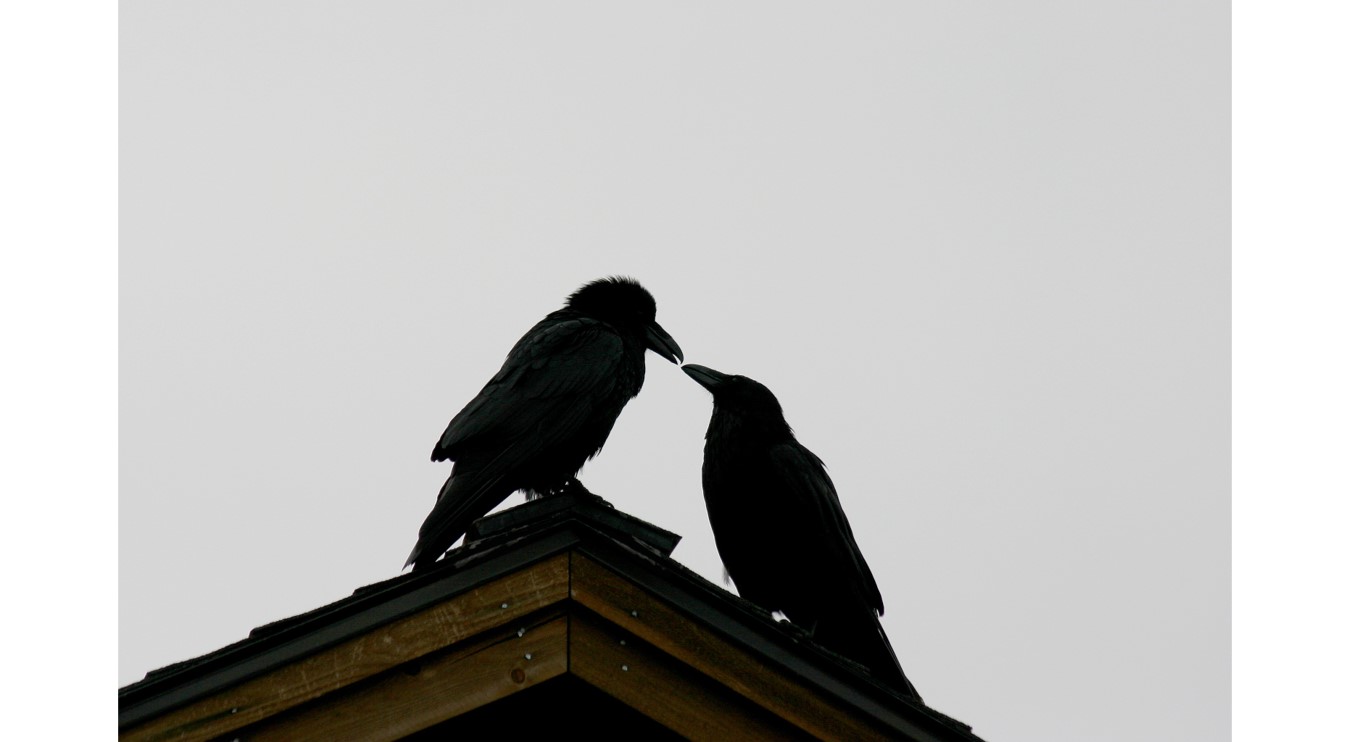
column 560, row 603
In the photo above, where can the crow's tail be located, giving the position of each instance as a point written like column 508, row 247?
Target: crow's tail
column 464, row 498
column 859, row 637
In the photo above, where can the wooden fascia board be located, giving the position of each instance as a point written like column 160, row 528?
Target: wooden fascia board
column 648, row 680
column 633, row 609
column 430, row 690
column 569, row 612
column 509, row 598
column 234, row 665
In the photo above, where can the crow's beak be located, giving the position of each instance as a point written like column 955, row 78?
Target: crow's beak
column 661, row 343
column 706, row 377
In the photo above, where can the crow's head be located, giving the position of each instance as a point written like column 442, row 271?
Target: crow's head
column 623, row 303
column 741, row 396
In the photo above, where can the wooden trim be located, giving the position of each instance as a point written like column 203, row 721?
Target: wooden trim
column 454, row 620
column 647, row 680
column 577, row 616
column 440, row 686
column 670, row 631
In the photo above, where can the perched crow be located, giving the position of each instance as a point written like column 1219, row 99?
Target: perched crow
column 780, row 529
column 549, row 408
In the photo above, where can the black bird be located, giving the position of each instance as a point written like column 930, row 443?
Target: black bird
column 781, row 531
column 548, row 410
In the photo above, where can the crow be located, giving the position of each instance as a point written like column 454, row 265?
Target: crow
column 781, row 531
column 548, row 410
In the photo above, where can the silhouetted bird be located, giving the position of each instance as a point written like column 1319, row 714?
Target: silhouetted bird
column 549, row 408
column 780, row 529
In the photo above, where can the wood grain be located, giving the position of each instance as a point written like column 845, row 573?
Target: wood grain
column 616, row 599
column 446, row 684
column 463, row 616
column 666, row 691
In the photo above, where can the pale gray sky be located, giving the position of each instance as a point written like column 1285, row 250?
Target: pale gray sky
column 979, row 253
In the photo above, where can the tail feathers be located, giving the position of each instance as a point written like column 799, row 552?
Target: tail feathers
column 860, row 637
column 463, row 499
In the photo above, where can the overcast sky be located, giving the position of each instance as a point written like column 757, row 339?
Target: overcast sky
column 980, row 253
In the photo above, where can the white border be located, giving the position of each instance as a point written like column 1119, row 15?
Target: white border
column 58, row 320
column 1291, row 369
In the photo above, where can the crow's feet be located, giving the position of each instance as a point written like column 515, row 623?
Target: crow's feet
column 573, row 486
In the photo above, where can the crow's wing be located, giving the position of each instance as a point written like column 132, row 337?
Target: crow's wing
column 547, row 390
column 809, row 489
column 557, row 381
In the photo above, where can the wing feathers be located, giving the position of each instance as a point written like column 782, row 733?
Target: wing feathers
column 809, row 487
column 556, row 367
